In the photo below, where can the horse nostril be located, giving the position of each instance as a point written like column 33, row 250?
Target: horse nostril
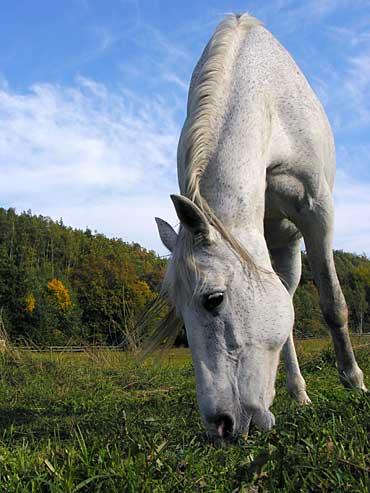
column 224, row 425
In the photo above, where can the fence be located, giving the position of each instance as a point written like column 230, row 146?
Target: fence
column 69, row 349
column 81, row 349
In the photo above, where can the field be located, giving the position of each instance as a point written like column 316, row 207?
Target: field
column 99, row 422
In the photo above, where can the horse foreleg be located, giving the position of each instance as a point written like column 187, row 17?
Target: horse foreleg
column 287, row 263
column 315, row 221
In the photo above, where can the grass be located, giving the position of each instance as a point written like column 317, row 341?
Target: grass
column 98, row 422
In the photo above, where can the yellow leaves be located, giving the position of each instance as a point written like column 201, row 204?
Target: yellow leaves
column 363, row 272
column 141, row 288
column 60, row 294
column 30, row 303
column 56, row 291
column 142, row 292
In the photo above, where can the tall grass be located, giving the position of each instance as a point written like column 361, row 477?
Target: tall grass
column 100, row 422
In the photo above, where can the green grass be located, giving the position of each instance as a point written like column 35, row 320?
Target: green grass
column 101, row 423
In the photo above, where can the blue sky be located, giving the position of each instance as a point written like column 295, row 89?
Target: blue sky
column 93, row 95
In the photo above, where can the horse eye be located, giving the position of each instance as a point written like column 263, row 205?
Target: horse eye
column 213, row 300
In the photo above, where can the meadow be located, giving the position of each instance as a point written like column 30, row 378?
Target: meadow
column 99, row 422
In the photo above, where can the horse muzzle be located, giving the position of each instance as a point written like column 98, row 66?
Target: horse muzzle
column 225, row 426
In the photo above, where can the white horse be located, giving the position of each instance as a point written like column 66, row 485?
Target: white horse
column 256, row 165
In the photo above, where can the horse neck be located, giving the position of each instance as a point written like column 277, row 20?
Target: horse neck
column 234, row 187
column 233, row 182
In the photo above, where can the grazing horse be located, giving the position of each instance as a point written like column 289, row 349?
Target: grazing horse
column 256, row 165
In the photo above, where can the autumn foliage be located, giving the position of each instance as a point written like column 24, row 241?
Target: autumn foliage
column 62, row 285
column 60, row 294
column 30, row 303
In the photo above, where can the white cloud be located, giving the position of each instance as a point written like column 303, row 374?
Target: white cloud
column 343, row 86
column 97, row 158
column 330, row 40
column 106, row 158
column 353, row 36
column 107, row 161
column 352, row 214
column 357, row 85
column 295, row 16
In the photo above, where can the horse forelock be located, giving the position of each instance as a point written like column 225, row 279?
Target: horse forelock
column 185, row 276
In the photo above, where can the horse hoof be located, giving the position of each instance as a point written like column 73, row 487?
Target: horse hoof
column 353, row 378
column 302, row 399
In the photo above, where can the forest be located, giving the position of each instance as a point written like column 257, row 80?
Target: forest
column 60, row 285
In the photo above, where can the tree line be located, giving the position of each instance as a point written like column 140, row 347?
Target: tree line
column 60, row 285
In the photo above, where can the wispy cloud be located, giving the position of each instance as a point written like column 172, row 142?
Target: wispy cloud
column 357, row 86
column 330, row 40
column 175, row 79
column 353, row 36
column 342, row 83
column 162, row 60
column 96, row 158
column 103, row 154
column 352, row 204
column 100, row 33
column 293, row 16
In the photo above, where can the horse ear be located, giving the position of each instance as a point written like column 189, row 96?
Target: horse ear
column 167, row 233
column 191, row 217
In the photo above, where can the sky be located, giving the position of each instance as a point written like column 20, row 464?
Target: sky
column 93, row 97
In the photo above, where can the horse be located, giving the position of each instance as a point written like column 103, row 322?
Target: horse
column 256, row 166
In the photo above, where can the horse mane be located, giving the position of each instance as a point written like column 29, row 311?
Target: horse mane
column 197, row 142
column 198, row 138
